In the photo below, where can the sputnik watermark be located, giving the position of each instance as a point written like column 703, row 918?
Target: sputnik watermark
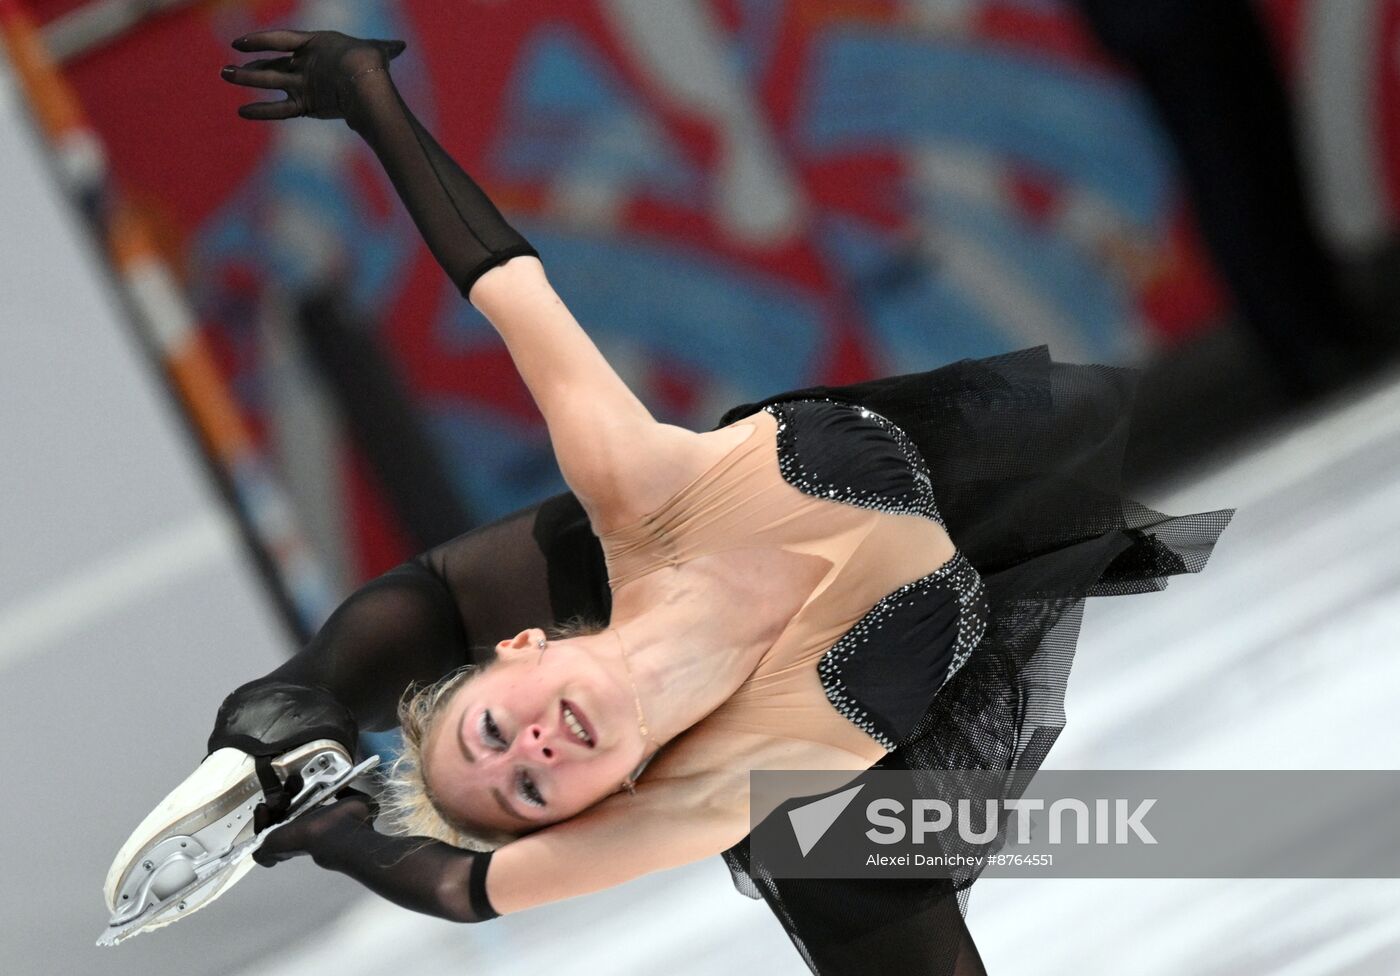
column 1100, row 823
column 928, row 817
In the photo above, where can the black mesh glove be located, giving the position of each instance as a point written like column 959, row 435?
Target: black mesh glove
column 328, row 75
column 417, row 873
column 315, row 74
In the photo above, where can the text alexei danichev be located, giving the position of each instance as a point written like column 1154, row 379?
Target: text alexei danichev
column 923, row 860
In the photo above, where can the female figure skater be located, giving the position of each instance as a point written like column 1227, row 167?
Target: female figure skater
column 792, row 589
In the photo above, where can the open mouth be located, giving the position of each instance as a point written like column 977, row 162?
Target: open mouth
column 576, row 723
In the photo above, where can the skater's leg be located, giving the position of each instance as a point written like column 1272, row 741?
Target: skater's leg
column 443, row 609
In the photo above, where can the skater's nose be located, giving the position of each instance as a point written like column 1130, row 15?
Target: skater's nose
column 538, row 743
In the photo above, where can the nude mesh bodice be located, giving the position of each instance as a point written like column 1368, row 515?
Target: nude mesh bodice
column 893, row 617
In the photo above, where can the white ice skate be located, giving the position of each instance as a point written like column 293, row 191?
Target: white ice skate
column 199, row 841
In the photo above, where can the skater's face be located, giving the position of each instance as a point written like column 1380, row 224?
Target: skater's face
column 504, row 754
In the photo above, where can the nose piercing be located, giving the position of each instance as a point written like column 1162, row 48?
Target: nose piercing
column 541, row 644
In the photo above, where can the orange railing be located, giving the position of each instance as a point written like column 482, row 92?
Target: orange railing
column 165, row 320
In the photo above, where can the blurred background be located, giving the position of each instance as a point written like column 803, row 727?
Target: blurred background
column 234, row 385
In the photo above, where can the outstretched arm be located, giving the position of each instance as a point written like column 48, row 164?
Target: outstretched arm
column 692, row 803
column 611, row 451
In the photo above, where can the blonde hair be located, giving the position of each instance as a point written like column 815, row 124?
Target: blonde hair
column 407, row 805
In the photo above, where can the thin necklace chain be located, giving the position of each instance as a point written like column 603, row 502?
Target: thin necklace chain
column 630, row 783
column 641, row 719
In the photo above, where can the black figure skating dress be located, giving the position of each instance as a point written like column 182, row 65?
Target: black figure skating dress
column 1016, row 456
column 1020, row 459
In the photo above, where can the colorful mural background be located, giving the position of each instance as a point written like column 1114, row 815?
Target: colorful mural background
column 733, row 196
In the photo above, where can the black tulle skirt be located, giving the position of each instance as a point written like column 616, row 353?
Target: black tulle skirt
column 1026, row 458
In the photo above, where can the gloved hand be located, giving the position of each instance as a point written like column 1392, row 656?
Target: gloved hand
column 329, row 833
column 418, row 873
column 316, row 74
column 328, row 75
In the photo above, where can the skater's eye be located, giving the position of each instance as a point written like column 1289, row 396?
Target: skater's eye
column 491, row 732
column 528, row 791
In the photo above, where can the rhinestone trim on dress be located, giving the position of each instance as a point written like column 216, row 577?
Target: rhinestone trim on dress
column 795, row 473
column 957, row 575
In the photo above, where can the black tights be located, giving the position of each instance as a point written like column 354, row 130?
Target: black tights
column 440, row 610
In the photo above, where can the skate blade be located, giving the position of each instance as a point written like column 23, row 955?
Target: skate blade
column 182, row 877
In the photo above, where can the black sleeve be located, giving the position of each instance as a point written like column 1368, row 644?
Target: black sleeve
column 463, row 229
column 417, row 873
